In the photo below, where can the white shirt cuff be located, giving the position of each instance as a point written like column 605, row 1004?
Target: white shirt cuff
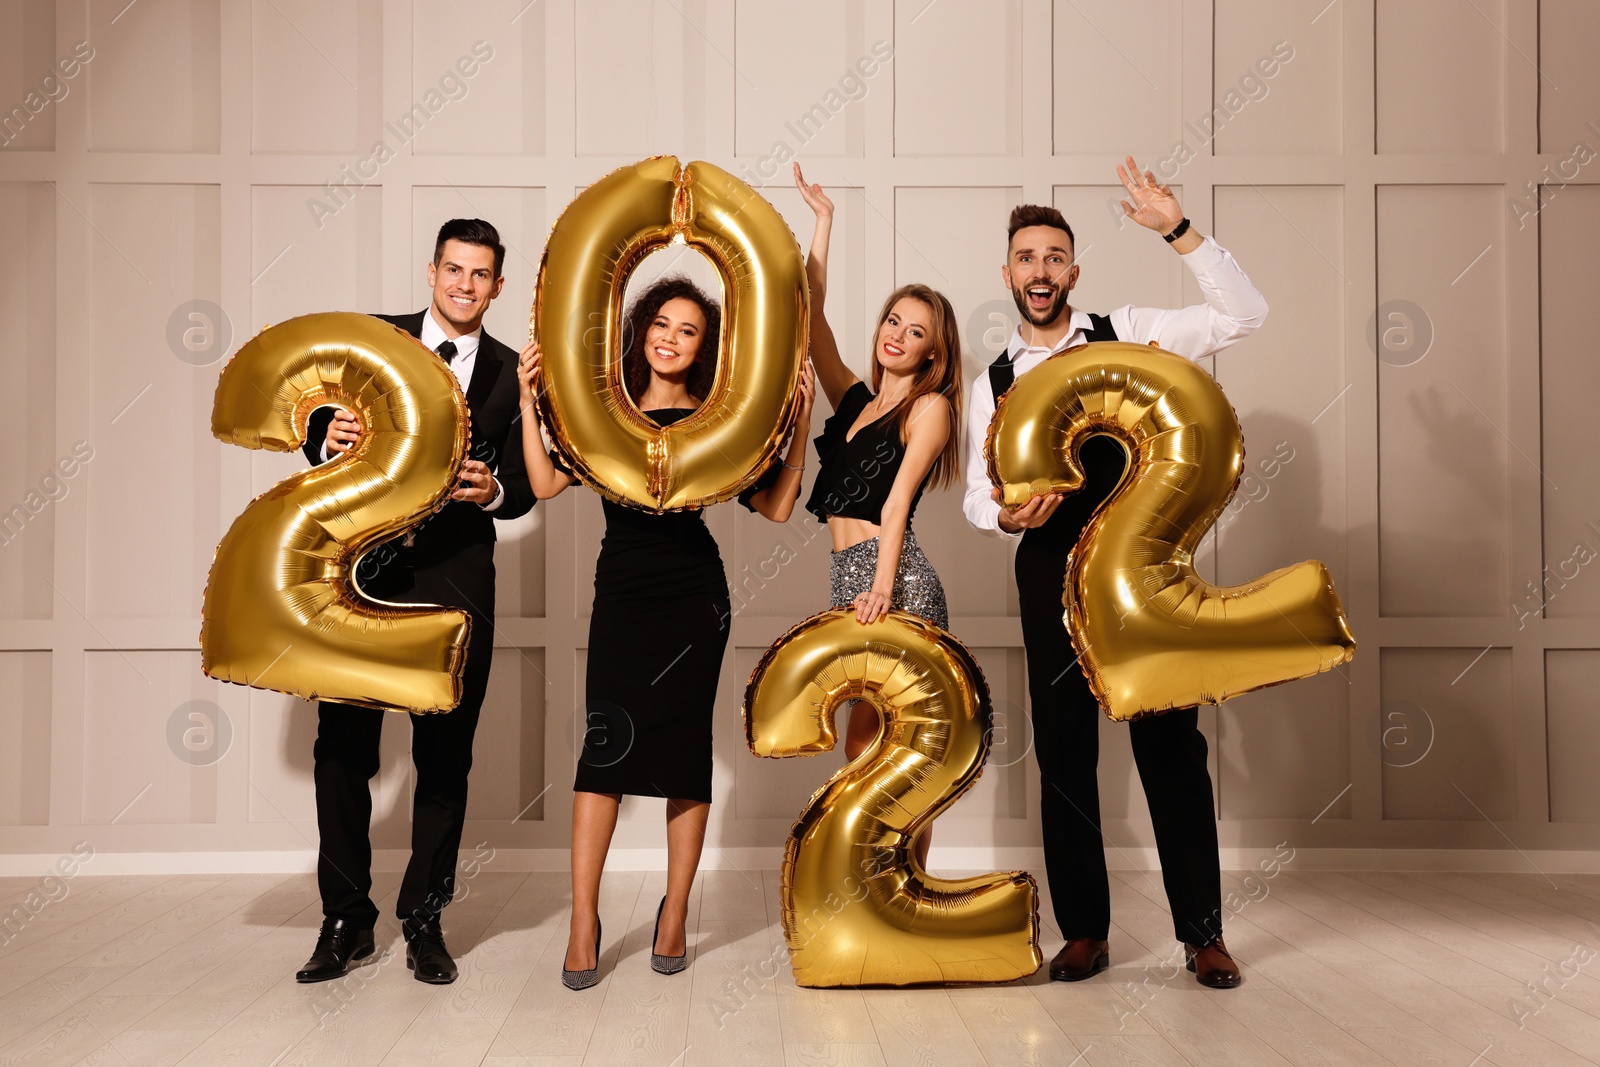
column 1208, row 256
column 1001, row 530
column 984, row 517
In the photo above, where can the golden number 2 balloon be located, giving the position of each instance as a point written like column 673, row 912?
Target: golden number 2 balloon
column 584, row 406
column 1151, row 634
column 857, row 908
column 281, row 609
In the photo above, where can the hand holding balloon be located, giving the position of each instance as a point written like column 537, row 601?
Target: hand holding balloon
column 808, row 397
column 794, row 457
column 343, row 433
column 776, row 501
column 546, row 480
column 475, row 483
column 871, row 606
column 528, row 371
column 1035, row 513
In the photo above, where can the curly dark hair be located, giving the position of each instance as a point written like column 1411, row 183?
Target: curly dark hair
column 636, row 325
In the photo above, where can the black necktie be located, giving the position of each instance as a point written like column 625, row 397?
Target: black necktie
column 447, row 351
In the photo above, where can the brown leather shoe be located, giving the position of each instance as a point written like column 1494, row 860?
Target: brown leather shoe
column 1212, row 966
column 1078, row 959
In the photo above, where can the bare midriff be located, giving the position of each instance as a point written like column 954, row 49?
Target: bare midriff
column 849, row 532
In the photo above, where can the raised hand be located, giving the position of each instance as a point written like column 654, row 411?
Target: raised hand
column 815, row 198
column 1153, row 205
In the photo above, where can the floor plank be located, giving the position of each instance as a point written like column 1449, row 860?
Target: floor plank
column 1341, row 968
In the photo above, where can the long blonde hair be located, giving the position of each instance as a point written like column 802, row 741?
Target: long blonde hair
column 940, row 374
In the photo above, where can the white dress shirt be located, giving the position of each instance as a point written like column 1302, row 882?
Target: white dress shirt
column 433, row 336
column 1233, row 310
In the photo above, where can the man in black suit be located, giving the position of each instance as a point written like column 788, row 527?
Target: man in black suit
column 448, row 560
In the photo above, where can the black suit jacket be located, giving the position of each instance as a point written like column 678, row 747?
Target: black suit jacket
column 451, row 560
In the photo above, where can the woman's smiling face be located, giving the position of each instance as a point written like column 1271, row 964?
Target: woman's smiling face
column 905, row 340
column 673, row 338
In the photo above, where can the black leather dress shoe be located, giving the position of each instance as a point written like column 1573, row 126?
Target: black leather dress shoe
column 339, row 944
column 427, row 956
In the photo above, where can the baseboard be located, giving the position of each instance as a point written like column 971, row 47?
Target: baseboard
column 943, row 859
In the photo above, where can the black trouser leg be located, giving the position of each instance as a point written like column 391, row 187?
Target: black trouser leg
column 1170, row 752
column 441, row 749
column 1169, row 749
column 1066, row 731
column 345, row 759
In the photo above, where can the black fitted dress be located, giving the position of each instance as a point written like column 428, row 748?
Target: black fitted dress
column 656, row 639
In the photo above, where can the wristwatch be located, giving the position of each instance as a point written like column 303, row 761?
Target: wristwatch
column 1177, row 231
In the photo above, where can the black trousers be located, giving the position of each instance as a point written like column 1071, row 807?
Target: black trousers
column 346, row 760
column 1168, row 749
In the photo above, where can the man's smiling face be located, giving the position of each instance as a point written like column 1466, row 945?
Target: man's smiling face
column 1040, row 273
column 463, row 283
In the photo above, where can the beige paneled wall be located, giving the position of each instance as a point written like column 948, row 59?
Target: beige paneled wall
column 27, row 405
column 1569, row 228
column 1285, row 752
column 1416, row 408
column 1443, row 473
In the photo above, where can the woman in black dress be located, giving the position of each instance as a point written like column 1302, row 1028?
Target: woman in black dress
column 659, row 626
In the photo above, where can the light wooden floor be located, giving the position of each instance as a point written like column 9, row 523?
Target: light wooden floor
column 1349, row 968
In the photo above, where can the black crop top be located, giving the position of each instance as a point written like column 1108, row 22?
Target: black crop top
column 854, row 476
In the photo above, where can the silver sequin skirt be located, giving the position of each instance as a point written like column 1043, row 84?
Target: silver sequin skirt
column 917, row 588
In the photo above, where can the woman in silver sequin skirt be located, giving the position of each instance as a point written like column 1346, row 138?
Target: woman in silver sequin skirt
column 883, row 445
column 917, row 588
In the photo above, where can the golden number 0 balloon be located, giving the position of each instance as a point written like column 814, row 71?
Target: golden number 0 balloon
column 595, row 244
column 1151, row 634
column 281, row 609
column 857, row 908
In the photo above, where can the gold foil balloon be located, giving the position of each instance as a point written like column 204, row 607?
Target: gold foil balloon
column 1152, row 635
column 281, row 608
column 595, row 244
column 857, row 908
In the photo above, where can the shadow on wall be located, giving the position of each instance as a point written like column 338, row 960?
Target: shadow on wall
column 1442, row 727
column 1282, row 752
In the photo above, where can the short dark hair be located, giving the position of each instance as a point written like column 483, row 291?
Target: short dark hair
column 1025, row 215
column 471, row 232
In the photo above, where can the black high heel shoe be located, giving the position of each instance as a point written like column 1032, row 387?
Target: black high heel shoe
column 666, row 964
column 586, row 978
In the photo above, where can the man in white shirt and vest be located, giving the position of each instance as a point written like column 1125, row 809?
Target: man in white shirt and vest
column 1168, row 749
